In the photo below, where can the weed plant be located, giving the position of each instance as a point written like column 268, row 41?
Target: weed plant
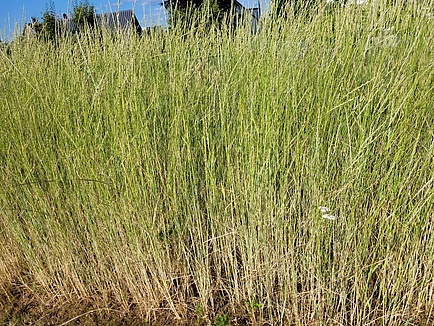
column 175, row 178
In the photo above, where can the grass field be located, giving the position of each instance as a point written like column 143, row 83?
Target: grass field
column 176, row 178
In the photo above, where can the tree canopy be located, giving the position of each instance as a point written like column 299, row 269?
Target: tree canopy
column 48, row 26
column 184, row 10
column 83, row 14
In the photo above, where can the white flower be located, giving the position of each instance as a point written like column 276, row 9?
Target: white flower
column 325, row 213
column 328, row 216
column 324, row 209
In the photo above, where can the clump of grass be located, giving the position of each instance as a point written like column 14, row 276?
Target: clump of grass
column 151, row 176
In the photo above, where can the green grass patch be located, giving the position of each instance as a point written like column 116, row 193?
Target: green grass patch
column 176, row 177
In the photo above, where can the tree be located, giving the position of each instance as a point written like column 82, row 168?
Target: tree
column 51, row 27
column 84, row 14
column 186, row 10
column 45, row 30
column 48, row 26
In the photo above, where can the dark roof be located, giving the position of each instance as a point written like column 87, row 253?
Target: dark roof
column 124, row 19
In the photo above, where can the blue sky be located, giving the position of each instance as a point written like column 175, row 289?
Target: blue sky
column 15, row 13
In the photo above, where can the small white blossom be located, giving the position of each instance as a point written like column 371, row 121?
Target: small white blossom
column 324, row 209
column 328, row 216
column 325, row 213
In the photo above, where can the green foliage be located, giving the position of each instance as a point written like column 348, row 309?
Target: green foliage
column 221, row 321
column 253, row 305
column 83, row 14
column 48, row 28
column 189, row 12
column 199, row 310
column 51, row 28
column 151, row 174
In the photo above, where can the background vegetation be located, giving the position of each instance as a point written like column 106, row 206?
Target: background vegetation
column 176, row 178
column 52, row 28
column 187, row 12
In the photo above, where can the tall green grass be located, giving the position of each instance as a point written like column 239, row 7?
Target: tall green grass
column 176, row 177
